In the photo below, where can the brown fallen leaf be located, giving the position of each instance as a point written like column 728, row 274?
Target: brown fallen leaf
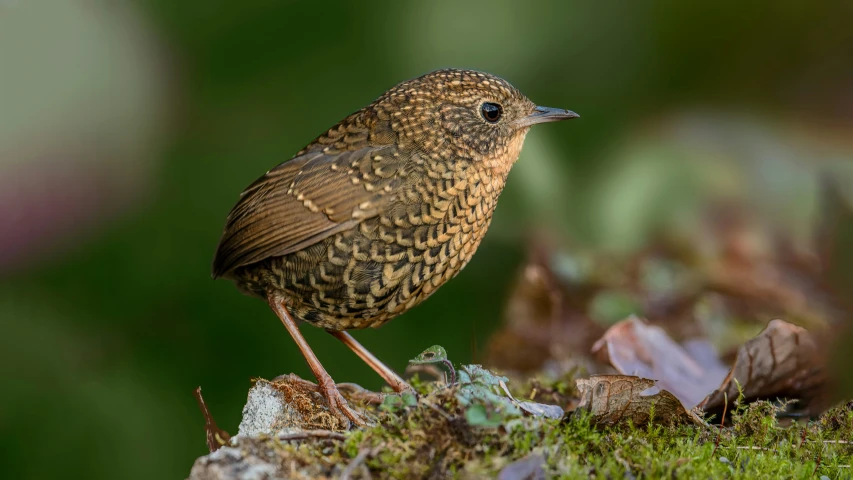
column 634, row 347
column 781, row 361
column 216, row 437
column 614, row 399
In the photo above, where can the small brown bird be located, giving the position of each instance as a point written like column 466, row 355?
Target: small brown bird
column 374, row 215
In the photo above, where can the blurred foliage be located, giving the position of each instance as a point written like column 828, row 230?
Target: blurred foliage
column 108, row 331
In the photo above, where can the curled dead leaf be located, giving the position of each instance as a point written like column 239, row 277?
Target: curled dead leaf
column 634, row 347
column 782, row 360
column 614, row 399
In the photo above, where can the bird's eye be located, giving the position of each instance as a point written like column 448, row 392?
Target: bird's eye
column 491, row 112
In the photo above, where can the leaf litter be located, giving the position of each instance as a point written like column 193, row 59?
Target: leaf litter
column 701, row 294
column 614, row 399
column 634, row 347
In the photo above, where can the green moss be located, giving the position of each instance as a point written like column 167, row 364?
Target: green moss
column 433, row 438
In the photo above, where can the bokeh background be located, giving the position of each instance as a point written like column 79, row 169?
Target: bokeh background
column 127, row 130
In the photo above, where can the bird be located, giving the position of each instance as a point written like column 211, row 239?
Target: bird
column 374, row 215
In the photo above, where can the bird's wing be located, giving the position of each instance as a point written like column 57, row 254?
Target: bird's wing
column 306, row 199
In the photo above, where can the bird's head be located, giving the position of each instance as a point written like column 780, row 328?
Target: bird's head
column 464, row 114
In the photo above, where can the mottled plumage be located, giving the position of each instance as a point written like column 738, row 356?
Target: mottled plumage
column 374, row 215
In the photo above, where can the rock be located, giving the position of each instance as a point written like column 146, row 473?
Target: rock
column 284, row 406
column 277, row 411
column 267, row 412
column 266, row 458
column 229, row 463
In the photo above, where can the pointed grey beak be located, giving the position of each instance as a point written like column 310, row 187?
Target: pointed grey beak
column 545, row 114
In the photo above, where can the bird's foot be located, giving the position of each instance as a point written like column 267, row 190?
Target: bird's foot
column 338, row 405
column 358, row 393
column 353, row 391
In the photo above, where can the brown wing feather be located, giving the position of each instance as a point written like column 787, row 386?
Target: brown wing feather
column 303, row 201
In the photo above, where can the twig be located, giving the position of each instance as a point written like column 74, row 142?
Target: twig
column 452, row 370
column 622, row 461
column 216, row 437
column 442, row 412
column 722, row 421
column 358, row 460
column 819, row 458
column 306, row 434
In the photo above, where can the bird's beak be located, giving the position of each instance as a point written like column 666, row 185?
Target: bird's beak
column 545, row 114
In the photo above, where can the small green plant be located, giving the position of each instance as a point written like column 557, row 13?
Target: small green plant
column 435, row 355
column 395, row 403
column 484, row 415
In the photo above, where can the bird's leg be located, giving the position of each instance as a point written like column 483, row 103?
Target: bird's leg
column 337, row 404
column 391, row 378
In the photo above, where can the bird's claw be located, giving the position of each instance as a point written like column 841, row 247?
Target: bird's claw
column 339, row 407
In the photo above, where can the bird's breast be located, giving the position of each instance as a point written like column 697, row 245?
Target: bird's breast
column 389, row 263
column 432, row 232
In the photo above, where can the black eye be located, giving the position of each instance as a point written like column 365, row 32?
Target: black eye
column 491, row 112
column 428, row 355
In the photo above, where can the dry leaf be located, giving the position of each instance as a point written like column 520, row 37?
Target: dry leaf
column 614, row 399
column 782, row 360
column 634, row 347
column 534, row 408
column 542, row 410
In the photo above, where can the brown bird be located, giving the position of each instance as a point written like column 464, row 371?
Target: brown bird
column 374, row 215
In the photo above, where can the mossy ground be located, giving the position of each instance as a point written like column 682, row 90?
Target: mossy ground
column 432, row 439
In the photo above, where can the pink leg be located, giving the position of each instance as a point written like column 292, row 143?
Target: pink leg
column 337, row 403
column 391, row 378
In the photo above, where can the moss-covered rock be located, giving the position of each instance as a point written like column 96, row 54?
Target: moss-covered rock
column 432, row 437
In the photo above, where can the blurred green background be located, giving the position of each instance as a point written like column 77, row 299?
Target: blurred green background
column 127, row 131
